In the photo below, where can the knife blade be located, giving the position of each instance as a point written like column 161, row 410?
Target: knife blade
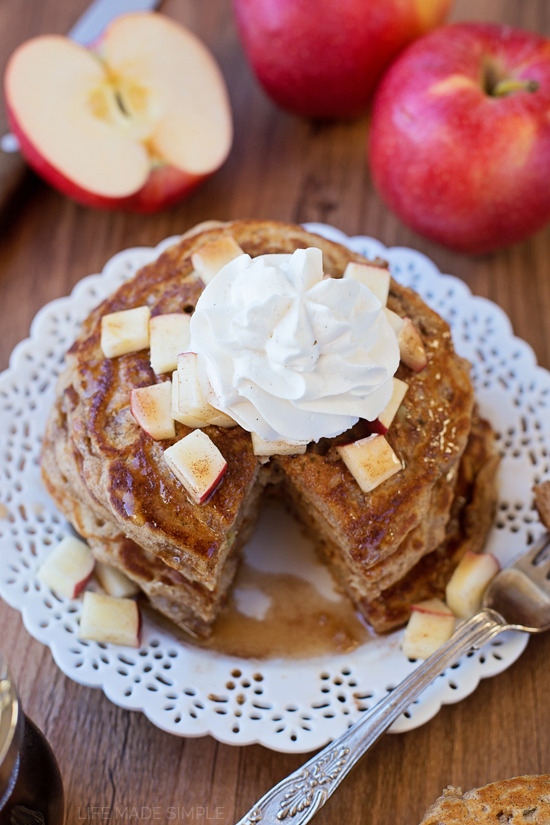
column 85, row 31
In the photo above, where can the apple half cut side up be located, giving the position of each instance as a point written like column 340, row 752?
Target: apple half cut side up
column 135, row 125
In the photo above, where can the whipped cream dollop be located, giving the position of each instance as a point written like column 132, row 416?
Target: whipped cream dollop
column 291, row 354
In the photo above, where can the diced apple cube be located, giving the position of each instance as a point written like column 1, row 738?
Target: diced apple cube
column 169, row 335
column 125, row 331
column 178, row 413
column 152, row 408
column 110, row 619
column 466, row 586
column 376, row 278
column 370, row 460
column 396, row 321
column 398, row 393
column 430, row 625
column 411, row 347
column 197, row 463
column 114, row 582
column 68, row 568
column 191, row 400
column 207, row 260
column 279, row 447
column 190, row 406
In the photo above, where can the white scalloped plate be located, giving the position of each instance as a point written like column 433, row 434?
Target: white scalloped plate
column 284, row 705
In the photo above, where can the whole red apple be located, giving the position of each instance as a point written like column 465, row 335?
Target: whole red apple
column 460, row 136
column 324, row 58
column 136, row 123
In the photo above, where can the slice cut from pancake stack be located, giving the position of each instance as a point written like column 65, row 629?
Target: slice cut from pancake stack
column 387, row 548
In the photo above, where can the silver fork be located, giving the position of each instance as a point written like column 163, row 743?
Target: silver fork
column 518, row 598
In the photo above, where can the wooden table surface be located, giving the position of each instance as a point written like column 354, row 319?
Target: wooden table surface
column 283, row 168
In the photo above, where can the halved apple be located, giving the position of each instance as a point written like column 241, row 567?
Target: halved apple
column 114, row 582
column 169, row 335
column 110, row 619
column 430, row 625
column 68, row 568
column 376, row 278
column 465, row 588
column 152, row 408
column 370, row 460
column 125, row 331
column 197, row 463
column 209, row 259
column 135, row 124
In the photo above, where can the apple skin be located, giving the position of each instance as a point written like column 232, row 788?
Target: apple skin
column 164, row 187
column 323, row 60
column 134, row 123
column 463, row 167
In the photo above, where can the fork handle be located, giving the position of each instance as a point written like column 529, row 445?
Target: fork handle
column 300, row 795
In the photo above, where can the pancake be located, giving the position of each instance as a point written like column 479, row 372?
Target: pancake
column 517, row 801
column 385, row 547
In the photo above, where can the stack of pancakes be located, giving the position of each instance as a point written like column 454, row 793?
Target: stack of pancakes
column 387, row 548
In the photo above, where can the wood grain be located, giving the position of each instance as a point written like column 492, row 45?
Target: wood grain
column 284, row 168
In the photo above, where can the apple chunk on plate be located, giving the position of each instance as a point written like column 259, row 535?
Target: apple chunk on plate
column 110, row 619
column 135, row 124
column 68, row 568
column 197, row 463
column 465, row 588
column 114, row 582
column 430, row 625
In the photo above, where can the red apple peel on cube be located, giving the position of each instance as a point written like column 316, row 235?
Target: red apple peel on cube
column 135, row 124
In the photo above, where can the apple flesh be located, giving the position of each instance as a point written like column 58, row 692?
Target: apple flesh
column 398, row 394
column 466, row 586
column 110, row 619
column 197, row 464
column 459, row 141
column 114, row 582
column 370, row 460
column 411, row 346
column 68, row 568
column 135, row 124
column 125, row 331
column 152, row 408
column 189, row 405
column 376, row 278
column 207, row 260
column 261, row 447
column 169, row 335
column 430, row 625
column 324, row 60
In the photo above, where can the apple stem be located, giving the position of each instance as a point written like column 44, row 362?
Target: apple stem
column 508, row 85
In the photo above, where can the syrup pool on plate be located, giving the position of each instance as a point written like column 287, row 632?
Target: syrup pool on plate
column 284, row 603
